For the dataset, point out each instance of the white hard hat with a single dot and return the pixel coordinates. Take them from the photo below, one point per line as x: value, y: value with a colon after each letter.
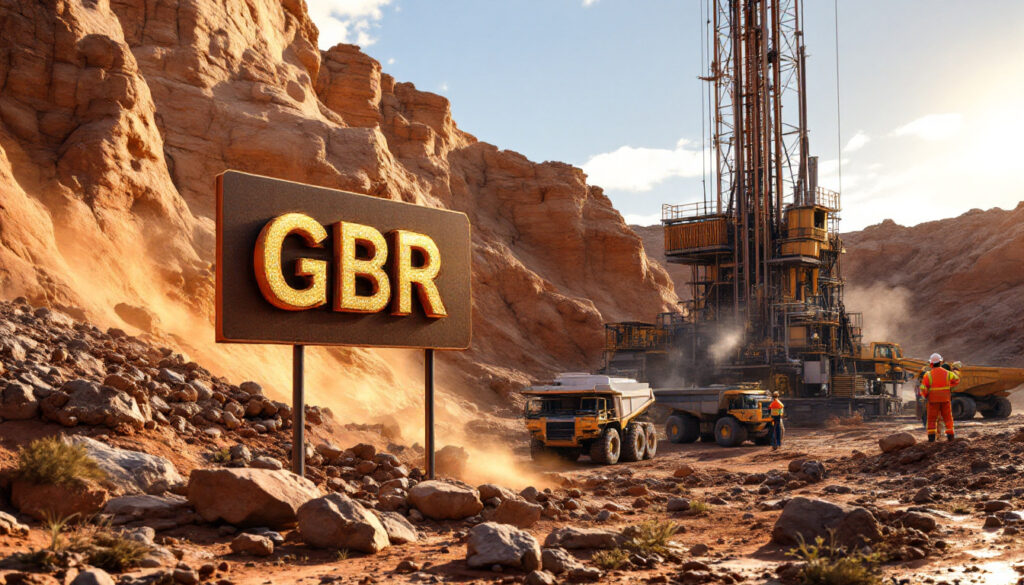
x: 936, y: 358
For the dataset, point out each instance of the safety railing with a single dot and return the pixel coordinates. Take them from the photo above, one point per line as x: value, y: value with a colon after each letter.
x: 827, y: 198
x: 683, y: 211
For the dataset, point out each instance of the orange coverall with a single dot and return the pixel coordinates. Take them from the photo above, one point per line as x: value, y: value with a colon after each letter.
x: 936, y: 387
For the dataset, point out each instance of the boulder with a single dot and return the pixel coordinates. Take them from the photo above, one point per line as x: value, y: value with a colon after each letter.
x: 812, y: 471
x: 125, y: 509
x: 92, y: 404
x: 678, y: 505
x: 571, y: 537
x: 249, y: 497
x: 93, y: 576
x: 17, y: 402
x: 517, y: 512
x: 445, y: 500
x: 558, y: 560
x: 490, y: 490
x: 9, y: 525
x: 78, y: 500
x: 399, y: 529
x: 132, y: 472
x: 809, y: 518
x: 919, y: 521
x: 492, y: 544
x: 337, y: 521
x: 252, y: 544
x: 896, y: 441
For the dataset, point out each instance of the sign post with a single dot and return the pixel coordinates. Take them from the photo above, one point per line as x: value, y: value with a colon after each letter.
x: 299, y: 410
x: 303, y: 265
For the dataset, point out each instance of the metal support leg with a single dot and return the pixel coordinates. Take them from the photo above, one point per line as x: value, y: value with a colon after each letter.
x: 428, y: 407
x: 298, y: 411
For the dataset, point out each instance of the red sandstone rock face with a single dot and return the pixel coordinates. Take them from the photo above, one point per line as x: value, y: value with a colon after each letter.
x: 115, y: 117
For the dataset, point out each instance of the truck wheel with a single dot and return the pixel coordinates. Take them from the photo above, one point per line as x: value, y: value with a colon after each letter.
x: 634, y: 442
x: 964, y: 408
x: 538, y: 452
x: 652, y: 440
x: 682, y: 428
x: 606, y: 448
x: 1001, y: 407
x: 729, y: 432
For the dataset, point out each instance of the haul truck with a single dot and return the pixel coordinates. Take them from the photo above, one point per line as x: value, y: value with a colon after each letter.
x: 982, y: 389
x: 601, y: 416
x: 728, y: 415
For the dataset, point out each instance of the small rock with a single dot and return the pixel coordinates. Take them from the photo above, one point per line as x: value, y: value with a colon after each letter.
x: 684, y: 471
x: 896, y: 441
x: 540, y: 578
x: 252, y: 544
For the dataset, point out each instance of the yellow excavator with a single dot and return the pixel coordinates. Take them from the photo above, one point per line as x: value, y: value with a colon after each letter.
x: 983, y: 389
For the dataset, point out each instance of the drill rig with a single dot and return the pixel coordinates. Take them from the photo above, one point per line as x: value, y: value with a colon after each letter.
x: 766, y: 288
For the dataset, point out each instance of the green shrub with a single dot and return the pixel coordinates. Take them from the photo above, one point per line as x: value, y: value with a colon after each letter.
x: 652, y: 536
x: 611, y: 559
x: 116, y: 553
x: 699, y: 507
x: 51, y: 461
x: 828, y: 564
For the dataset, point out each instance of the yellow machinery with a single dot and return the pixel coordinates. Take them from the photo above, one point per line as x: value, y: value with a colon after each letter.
x: 599, y: 415
x: 728, y: 415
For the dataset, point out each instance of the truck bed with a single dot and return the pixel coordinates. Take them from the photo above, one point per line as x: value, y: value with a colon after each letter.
x: 703, y: 400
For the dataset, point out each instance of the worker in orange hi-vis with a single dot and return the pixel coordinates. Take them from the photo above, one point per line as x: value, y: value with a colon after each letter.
x: 776, y: 410
x: 937, y: 388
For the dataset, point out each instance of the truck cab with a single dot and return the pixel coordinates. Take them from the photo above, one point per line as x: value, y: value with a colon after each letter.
x: 594, y: 414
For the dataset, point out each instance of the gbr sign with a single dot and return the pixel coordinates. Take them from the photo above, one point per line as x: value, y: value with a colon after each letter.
x: 298, y: 264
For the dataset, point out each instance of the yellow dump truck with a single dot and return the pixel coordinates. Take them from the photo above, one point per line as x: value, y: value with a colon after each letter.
x: 728, y: 415
x: 982, y: 389
x: 594, y: 414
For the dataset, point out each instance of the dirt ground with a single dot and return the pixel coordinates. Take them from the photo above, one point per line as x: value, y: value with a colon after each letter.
x: 736, y: 530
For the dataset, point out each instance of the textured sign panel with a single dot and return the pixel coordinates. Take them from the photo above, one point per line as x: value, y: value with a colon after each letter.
x: 298, y: 264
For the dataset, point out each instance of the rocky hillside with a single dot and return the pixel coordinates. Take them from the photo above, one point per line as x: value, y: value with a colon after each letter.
x: 955, y: 286
x: 115, y: 117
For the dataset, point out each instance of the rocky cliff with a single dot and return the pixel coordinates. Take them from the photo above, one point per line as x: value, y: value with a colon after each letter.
x: 955, y: 286
x: 116, y: 115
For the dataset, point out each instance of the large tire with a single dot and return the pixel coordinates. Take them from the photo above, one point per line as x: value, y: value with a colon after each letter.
x: 729, y: 432
x: 682, y: 428
x: 540, y: 453
x: 964, y: 407
x: 652, y: 441
x: 634, y: 442
x: 1001, y: 407
x: 606, y: 449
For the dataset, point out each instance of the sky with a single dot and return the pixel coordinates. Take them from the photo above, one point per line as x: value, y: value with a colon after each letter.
x: 931, y: 92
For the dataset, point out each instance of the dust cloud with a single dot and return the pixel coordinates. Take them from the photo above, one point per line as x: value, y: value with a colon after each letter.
x: 887, y: 312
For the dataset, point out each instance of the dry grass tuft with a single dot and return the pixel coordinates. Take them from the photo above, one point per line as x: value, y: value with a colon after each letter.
x: 51, y: 461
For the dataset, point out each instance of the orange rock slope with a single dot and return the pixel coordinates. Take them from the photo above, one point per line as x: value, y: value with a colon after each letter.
x: 116, y: 115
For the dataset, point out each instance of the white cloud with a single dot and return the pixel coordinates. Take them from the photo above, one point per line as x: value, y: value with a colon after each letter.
x: 346, y: 21
x: 857, y: 142
x: 589, y: 3
x: 391, y: 61
x: 931, y: 127
x: 444, y: 86
x: 640, y: 169
x: 638, y: 219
